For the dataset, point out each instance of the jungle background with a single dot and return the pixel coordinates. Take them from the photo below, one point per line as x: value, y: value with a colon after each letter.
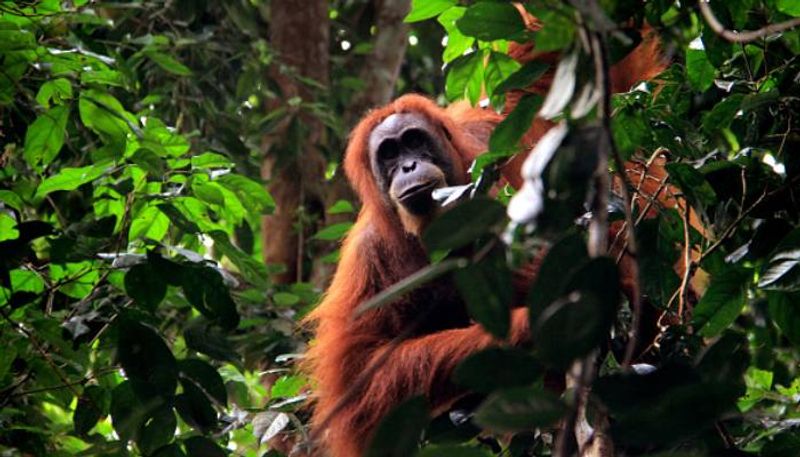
x: 171, y: 204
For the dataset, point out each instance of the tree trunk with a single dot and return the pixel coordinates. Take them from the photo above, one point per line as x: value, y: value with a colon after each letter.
x: 379, y: 73
x: 300, y: 36
x: 382, y: 67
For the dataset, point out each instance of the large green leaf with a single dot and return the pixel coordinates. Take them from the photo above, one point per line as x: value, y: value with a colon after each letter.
x: 520, y: 408
x: 426, y: 9
x: 506, y: 136
x: 464, y: 224
x: 145, y: 357
x: 105, y: 115
x: 465, y: 77
x: 457, y: 42
x: 489, y: 21
x: 400, y: 431
x: 45, y: 136
x: 699, y: 70
x: 71, y: 178
x: 495, y: 368
x: 722, y: 301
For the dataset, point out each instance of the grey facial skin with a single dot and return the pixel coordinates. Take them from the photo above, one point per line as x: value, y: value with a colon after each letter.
x: 409, y: 161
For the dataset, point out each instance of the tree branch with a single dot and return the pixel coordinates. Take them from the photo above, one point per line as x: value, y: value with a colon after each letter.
x: 747, y: 35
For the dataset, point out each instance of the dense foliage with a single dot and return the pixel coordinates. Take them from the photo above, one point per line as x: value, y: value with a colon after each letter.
x: 136, y: 314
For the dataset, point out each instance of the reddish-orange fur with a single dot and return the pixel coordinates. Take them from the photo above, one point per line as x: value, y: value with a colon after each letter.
x: 377, y: 253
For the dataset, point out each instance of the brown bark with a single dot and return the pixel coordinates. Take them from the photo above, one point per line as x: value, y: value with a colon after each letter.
x: 300, y: 36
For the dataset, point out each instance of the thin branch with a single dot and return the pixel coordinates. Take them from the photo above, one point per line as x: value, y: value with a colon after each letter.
x: 41, y: 350
x: 687, y: 264
x: 747, y: 35
x: 78, y: 382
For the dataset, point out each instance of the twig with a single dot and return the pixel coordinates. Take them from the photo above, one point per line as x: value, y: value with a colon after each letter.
x: 41, y: 350
x: 747, y: 35
x: 687, y: 264
x: 78, y: 382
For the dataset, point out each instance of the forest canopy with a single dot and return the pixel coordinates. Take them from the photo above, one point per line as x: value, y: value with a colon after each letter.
x: 172, y: 201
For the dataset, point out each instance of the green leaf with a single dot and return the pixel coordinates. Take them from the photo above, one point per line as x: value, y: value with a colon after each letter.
x: 204, y: 289
x: 697, y: 189
x: 11, y: 199
x: 785, y: 443
x: 45, y: 137
x: 399, y: 432
x: 145, y: 285
x: 723, y: 113
x: 157, y: 431
x: 171, y: 450
x: 561, y: 260
x: 630, y: 132
x: 666, y: 406
x: 209, y: 192
x: 208, y: 339
x: 520, y: 408
x: 105, y: 115
x: 253, y: 195
x: 457, y: 42
x: 426, y: 9
x: 176, y: 217
x: 506, y: 136
x: 13, y: 38
x: 464, y: 224
x: 415, y: 280
x: 56, y: 90
x: 341, y: 207
x: 285, y: 299
x: 578, y: 321
x: 489, y: 21
x: 496, y: 368
x: 722, y: 301
x: 334, y: 232
x: 149, y: 161
x: 104, y: 77
x: 71, y: 178
x: 168, y: 63
x: 487, y: 289
x: 27, y: 281
x: 498, y: 68
x: 7, y: 357
x: 162, y: 140
x: 8, y: 227
x: 253, y: 271
x: 149, y: 223
x: 199, y: 446
x: 145, y: 356
x: 93, y: 404
x: 206, y: 377
x: 790, y: 7
x: 210, y: 160
x: 558, y: 30
x: 127, y: 411
x: 465, y: 77
x: 699, y: 70
x: 784, y: 310
x: 524, y: 77
x: 288, y: 386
